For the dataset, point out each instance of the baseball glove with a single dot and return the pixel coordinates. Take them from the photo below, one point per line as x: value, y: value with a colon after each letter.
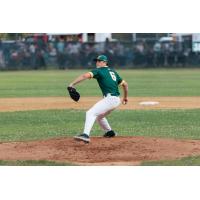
x: 73, y: 93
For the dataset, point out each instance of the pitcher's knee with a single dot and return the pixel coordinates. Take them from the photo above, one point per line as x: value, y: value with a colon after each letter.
x: 100, y: 116
x: 90, y: 112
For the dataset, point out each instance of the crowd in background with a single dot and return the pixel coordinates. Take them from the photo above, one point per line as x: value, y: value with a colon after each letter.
x: 61, y: 54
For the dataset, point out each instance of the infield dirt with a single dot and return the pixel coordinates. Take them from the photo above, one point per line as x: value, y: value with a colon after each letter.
x: 46, y: 103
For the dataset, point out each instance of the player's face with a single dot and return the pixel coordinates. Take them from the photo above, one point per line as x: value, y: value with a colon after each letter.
x: 100, y: 63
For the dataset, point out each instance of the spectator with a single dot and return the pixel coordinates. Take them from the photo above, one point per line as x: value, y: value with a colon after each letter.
x: 37, y: 54
x: 2, y: 62
x: 60, y: 54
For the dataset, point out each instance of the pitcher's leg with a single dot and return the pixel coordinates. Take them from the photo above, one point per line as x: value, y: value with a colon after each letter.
x: 100, y: 108
x: 106, y: 127
x: 103, y: 122
x: 89, y: 121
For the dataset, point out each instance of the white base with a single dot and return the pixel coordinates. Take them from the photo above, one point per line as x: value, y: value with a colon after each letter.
x: 149, y: 103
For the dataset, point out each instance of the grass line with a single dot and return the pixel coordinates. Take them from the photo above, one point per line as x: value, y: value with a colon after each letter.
x: 187, y: 161
x: 33, y: 163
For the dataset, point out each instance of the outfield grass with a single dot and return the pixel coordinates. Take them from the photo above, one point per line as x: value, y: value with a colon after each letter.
x: 35, y: 125
x: 152, y: 82
x: 188, y: 161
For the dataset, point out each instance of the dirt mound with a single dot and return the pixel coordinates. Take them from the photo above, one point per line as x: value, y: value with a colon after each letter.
x: 101, y: 151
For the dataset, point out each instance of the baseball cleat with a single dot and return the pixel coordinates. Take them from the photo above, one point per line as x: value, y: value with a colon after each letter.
x: 82, y: 137
x: 110, y: 134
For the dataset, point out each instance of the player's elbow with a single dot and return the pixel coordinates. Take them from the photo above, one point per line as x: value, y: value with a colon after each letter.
x: 86, y: 76
x: 125, y: 84
x: 125, y: 87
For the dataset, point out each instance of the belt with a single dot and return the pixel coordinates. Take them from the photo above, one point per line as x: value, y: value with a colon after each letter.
x: 109, y: 94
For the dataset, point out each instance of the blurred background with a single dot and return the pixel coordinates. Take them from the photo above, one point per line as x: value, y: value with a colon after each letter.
x: 76, y: 50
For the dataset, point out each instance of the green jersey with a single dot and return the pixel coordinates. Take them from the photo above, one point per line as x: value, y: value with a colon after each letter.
x: 108, y: 80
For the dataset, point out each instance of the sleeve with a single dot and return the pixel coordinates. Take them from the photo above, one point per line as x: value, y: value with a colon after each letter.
x: 94, y: 73
x: 119, y: 79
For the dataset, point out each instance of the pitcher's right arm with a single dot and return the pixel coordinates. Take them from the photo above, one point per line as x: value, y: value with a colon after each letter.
x: 124, y: 85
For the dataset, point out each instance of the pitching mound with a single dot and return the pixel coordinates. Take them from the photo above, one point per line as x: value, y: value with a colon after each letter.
x: 101, y: 151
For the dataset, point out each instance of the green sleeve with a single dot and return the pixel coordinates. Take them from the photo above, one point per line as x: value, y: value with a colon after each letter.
x: 95, y: 73
x: 119, y: 79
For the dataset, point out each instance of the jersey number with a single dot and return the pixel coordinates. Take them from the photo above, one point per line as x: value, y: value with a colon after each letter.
x: 112, y: 74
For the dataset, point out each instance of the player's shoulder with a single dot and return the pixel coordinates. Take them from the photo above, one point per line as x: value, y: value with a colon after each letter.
x: 95, y: 69
x: 111, y: 69
x: 95, y: 72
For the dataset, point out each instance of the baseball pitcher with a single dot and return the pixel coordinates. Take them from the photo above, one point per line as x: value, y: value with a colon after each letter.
x: 108, y: 80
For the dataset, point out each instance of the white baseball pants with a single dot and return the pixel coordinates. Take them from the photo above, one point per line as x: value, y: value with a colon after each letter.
x: 99, y: 111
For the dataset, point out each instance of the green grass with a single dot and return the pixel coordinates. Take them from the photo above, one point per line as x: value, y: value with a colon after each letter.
x: 151, y: 82
x: 33, y: 163
x: 188, y: 161
x: 34, y: 125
